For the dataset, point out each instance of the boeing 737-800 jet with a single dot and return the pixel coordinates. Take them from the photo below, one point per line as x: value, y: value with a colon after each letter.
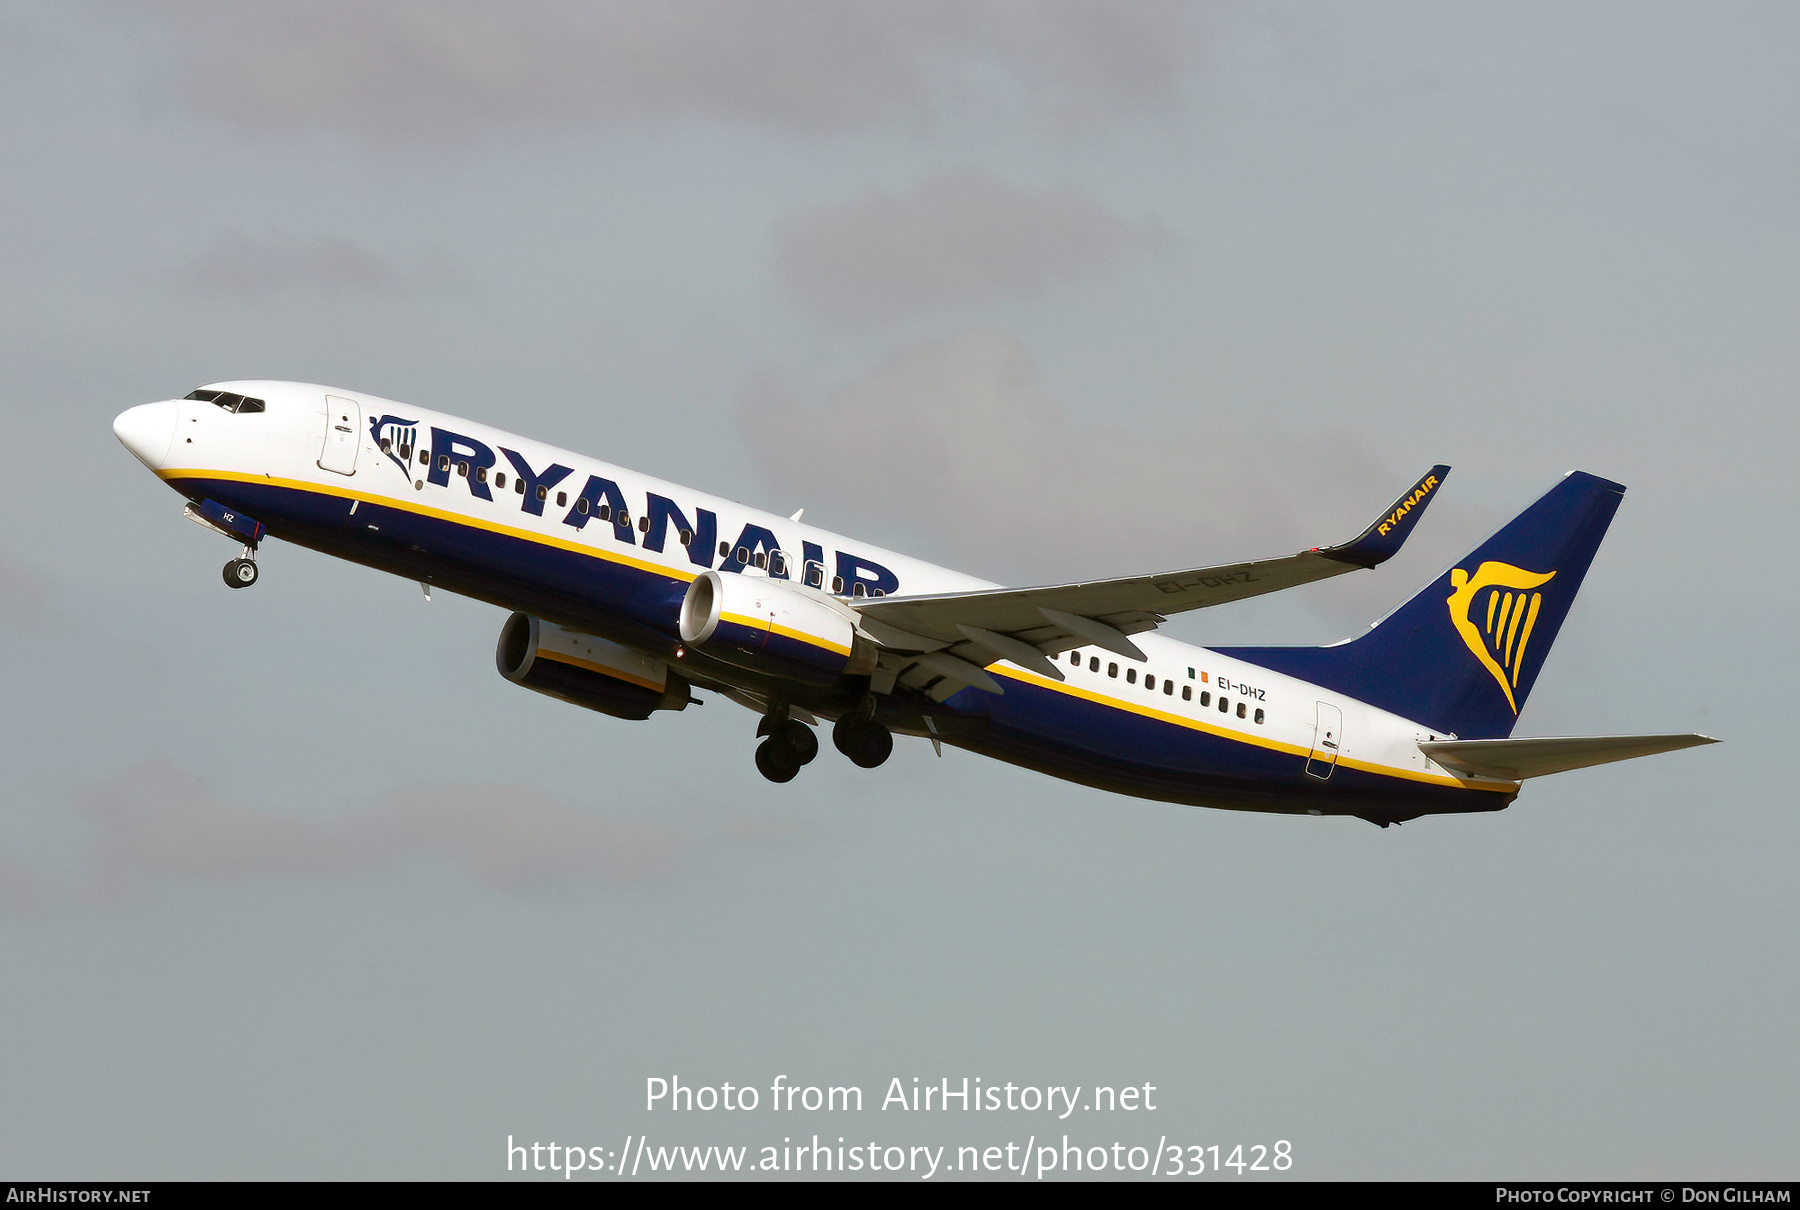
x: 629, y: 593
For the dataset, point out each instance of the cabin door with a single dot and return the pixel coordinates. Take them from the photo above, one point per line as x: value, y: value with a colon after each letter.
x: 1328, y: 738
x: 343, y: 435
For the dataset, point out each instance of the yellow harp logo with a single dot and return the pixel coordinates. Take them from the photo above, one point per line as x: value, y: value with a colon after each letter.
x: 1500, y: 595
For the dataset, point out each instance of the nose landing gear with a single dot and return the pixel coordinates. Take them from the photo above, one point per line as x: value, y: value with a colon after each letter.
x: 210, y: 514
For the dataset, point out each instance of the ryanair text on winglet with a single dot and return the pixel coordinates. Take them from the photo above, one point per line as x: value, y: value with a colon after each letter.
x: 1406, y: 506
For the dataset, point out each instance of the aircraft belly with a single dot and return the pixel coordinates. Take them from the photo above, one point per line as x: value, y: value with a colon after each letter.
x: 1126, y: 752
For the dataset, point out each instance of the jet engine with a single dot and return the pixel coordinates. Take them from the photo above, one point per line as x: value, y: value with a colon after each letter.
x: 585, y: 670
x: 774, y: 628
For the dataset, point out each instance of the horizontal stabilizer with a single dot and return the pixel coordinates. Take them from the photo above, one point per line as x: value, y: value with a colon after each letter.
x: 1517, y: 759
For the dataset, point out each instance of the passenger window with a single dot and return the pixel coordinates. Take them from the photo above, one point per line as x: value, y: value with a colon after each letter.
x: 581, y: 505
x: 1187, y: 694
x: 462, y: 468
x: 644, y: 524
x: 1093, y: 663
x: 762, y: 561
x: 815, y: 574
x: 542, y: 491
x: 857, y: 589
x: 1224, y: 706
x: 1149, y: 681
x: 743, y: 554
x: 1075, y: 658
x: 624, y: 519
x: 1131, y: 676
x: 1259, y: 716
x: 443, y: 462
x: 1241, y: 711
x: 1112, y: 670
x: 687, y: 537
x: 1168, y: 686
x: 424, y: 457
x: 1205, y: 698
x: 878, y: 592
x: 562, y: 498
x: 777, y: 563
x: 604, y: 512
x: 724, y: 550
x: 837, y: 583
x: 387, y: 443
x: 499, y: 478
x: 406, y: 453
x: 481, y: 474
x: 518, y: 487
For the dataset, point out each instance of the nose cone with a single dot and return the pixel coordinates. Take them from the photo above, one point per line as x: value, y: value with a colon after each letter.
x: 147, y: 431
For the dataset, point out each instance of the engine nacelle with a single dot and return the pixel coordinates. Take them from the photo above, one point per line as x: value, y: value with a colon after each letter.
x: 773, y: 628
x: 586, y: 671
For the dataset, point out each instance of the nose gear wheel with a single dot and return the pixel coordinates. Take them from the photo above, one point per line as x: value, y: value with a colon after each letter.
x: 240, y: 573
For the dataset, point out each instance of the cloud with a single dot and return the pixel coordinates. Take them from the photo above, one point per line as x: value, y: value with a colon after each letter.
x: 961, y: 236
x: 957, y: 439
x: 274, y: 262
x: 156, y: 823
x: 448, y: 65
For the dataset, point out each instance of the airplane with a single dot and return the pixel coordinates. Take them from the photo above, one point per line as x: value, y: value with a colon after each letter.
x: 629, y: 594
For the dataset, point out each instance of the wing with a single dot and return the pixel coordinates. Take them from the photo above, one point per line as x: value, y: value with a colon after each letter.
x: 941, y: 642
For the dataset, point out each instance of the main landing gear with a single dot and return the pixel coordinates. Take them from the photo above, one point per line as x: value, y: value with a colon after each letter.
x: 790, y: 744
x: 241, y: 571
x: 857, y: 735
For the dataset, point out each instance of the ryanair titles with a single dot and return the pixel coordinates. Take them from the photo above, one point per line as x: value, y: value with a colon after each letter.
x: 601, y: 499
x: 1425, y: 488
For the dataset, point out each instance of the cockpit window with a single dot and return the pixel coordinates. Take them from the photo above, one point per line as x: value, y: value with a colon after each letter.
x: 227, y: 400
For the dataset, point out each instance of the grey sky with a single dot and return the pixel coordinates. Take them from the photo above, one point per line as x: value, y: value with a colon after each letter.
x: 960, y: 236
x: 293, y: 884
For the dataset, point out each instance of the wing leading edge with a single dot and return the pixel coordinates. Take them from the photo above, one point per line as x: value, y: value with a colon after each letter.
x: 968, y: 631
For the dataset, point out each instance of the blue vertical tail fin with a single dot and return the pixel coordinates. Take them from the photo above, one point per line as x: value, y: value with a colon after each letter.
x: 1462, y: 655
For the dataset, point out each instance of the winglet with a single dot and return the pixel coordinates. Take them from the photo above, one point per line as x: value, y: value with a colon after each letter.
x: 1381, y: 541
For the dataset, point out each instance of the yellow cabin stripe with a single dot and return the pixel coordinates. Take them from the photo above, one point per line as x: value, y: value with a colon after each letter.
x: 422, y: 510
